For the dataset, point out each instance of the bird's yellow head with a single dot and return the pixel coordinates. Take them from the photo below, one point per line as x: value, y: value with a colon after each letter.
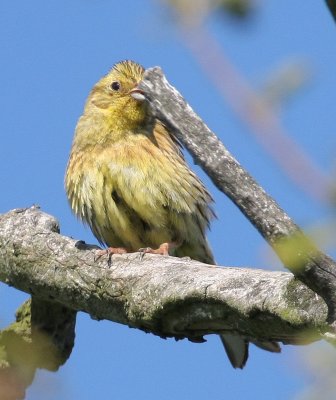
x: 117, y: 98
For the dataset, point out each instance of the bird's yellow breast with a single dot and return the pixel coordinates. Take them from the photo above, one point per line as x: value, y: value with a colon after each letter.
x: 134, y: 193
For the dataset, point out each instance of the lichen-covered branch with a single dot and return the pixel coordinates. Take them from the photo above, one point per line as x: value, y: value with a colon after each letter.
x: 298, y: 253
x: 42, y: 336
x: 170, y: 297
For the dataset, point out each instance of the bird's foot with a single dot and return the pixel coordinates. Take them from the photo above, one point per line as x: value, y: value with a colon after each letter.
x: 109, y: 252
x: 163, y: 249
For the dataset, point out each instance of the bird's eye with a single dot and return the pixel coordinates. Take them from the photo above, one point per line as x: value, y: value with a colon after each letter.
x: 115, y: 86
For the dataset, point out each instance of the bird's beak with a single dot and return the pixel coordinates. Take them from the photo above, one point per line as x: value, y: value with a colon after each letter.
x: 137, y: 94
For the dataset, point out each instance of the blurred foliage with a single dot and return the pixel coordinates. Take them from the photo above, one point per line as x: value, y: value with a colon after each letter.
x: 237, y: 8
x: 294, y: 250
x: 285, y: 81
x: 319, y: 361
x: 196, y: 11
x: 16, y: 371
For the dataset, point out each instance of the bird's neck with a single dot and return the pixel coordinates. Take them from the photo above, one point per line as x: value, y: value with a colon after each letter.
x: 104, y: 129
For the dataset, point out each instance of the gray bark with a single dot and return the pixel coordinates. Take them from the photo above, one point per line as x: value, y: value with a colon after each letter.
x: 167, y: 296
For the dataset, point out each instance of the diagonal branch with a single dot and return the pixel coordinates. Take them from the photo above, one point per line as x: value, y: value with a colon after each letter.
x: 167, y: 296
x: 252, y: 109
x: 332, y: 7
x: 298, y: 253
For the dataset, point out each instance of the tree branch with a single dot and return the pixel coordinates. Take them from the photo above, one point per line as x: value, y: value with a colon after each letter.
x: 332, y: 7
x: 298, y: 253
x: 167, y: 296
x: 41, y: 337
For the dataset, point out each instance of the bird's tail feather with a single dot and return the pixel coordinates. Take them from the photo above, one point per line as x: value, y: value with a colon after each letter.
x: 236, y: 348
x: 273, y: 347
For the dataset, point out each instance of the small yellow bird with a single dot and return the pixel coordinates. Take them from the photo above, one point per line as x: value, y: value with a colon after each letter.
x: 127, y: 179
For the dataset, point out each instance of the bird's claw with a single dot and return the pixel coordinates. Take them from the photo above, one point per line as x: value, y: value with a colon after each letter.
x: 109, y: 252
x: 143, y: 251
x: 163, y: 250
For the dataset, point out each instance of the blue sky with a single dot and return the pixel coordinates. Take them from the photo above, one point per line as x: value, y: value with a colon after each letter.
x: 52, y: 52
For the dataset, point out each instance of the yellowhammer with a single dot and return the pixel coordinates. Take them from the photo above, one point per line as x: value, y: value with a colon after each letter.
x: 127, y: 179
